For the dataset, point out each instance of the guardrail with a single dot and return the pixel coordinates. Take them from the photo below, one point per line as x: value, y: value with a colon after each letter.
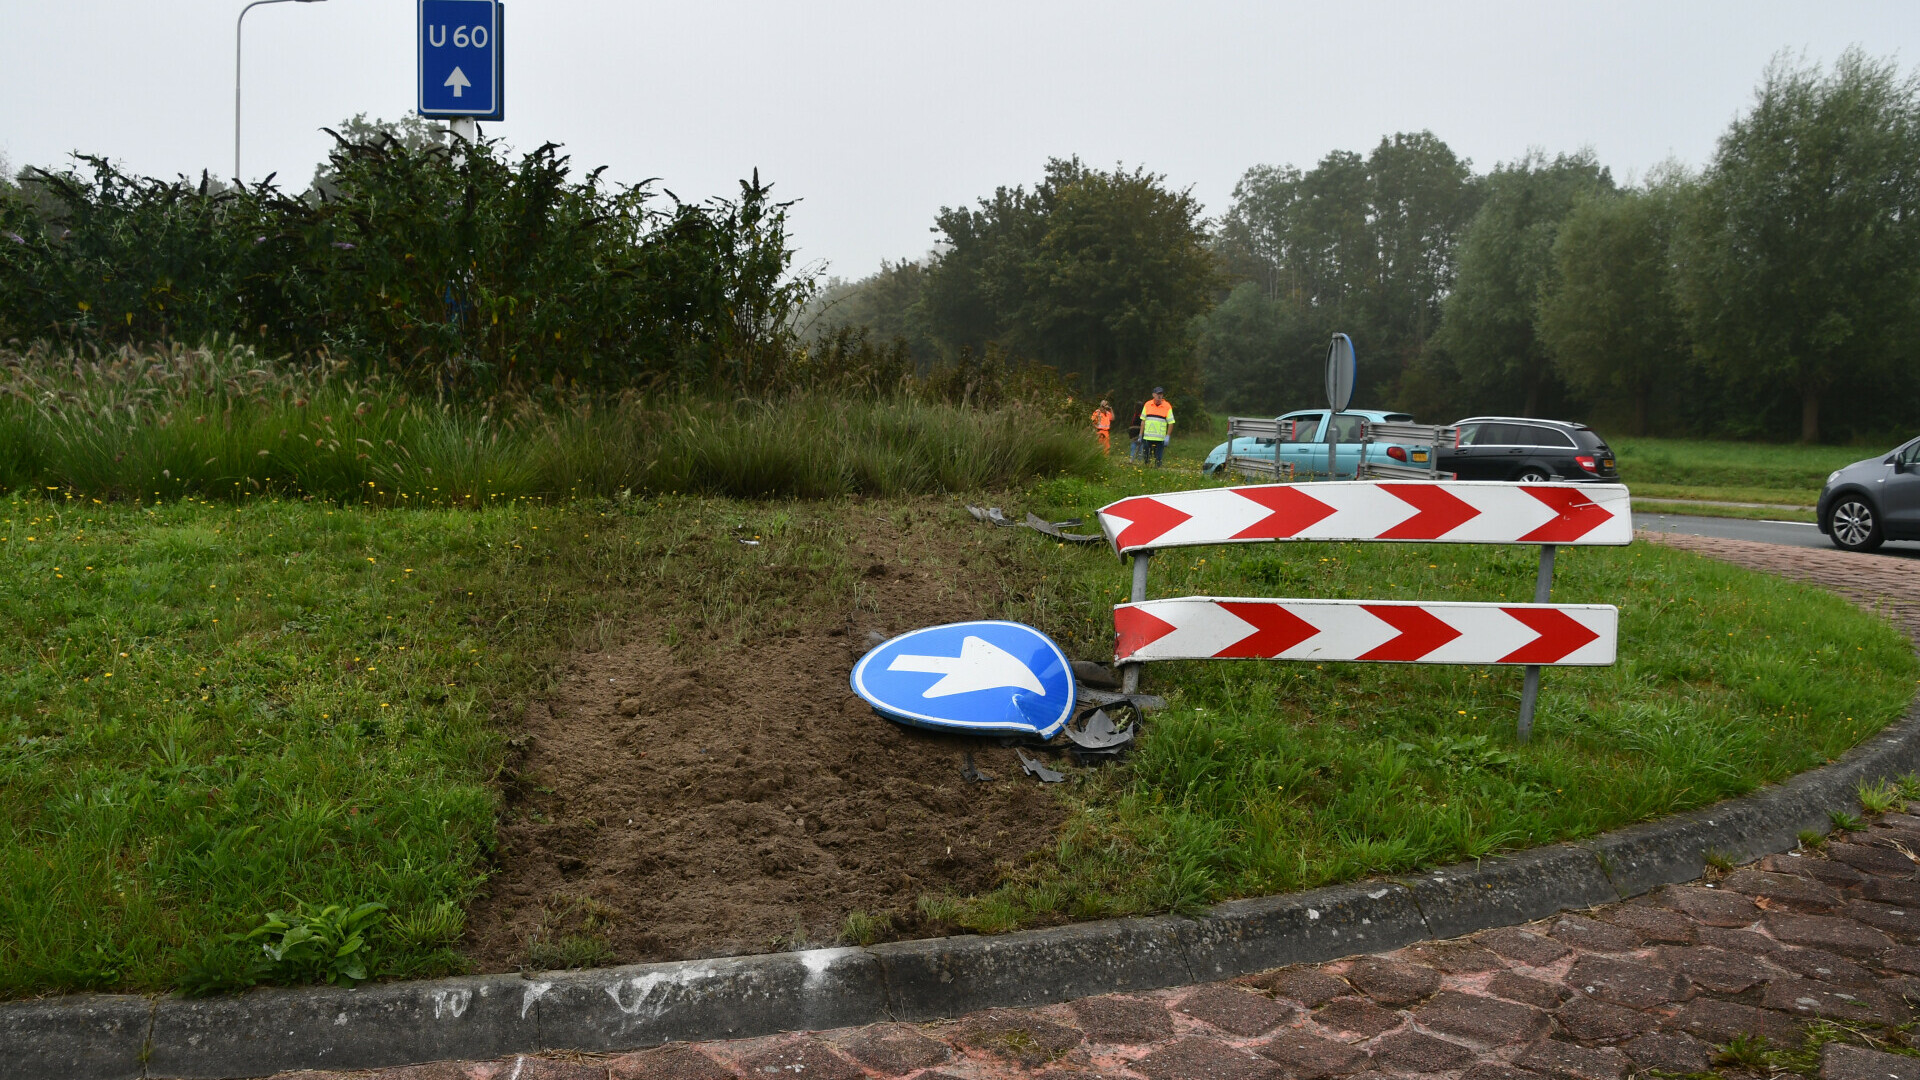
x: 1448, y: 511
x: 1418, y: 434
x: 1387, y: 470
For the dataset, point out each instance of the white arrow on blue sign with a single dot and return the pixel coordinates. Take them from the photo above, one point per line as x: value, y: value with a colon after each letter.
x: 972, y: 676
x: 458, y: 66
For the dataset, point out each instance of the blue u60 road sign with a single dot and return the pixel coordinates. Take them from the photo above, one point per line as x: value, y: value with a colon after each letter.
x: 972, y: 676
x: 459, y: 57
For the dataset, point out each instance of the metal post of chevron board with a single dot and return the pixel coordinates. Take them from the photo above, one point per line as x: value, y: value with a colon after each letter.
x: 1530, y: 689
x: 1130, y: 674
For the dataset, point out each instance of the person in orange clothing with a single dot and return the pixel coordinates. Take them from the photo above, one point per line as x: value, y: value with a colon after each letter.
x: 1103, y: 426
x: 1156, y: 427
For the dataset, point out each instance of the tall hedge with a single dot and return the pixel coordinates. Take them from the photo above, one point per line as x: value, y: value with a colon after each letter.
x: 460, y: 268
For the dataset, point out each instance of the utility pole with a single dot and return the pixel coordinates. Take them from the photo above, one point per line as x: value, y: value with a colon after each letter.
x: 237, y: 24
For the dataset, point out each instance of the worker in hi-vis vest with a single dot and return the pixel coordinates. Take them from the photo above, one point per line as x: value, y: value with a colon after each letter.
x: 1103, y: 426
x: 1156, y: 426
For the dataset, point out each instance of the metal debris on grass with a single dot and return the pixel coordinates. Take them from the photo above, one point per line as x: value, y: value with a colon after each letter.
x: 968, y: 771
x: 1099, y: 732
x: 1035, y: 768
x: 1052, y: 528
x: 1098, y: 738
x: 993, y: 515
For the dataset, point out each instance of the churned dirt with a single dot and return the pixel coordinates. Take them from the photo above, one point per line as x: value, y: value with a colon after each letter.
x: 748, y: 802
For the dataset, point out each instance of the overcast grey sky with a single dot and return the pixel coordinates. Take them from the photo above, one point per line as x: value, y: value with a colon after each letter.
x: 877, y: 114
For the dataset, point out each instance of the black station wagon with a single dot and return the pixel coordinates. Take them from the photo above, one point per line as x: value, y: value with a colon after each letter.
x: 1526, y: 450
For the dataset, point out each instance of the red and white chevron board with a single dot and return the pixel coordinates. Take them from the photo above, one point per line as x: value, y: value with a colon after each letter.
x: 1225, y: 628
x: 1455, y: 512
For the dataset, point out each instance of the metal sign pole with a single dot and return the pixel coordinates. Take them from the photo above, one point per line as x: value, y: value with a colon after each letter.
x: 1530, y: 689
x: 238, y: 25
x: 1130, y: 673
x: 1341, y: 370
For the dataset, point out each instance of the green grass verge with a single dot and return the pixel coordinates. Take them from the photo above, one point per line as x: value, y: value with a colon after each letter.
x: 1732, y: 471
x: 1766, y: 496
x: 1748, y: 513
x: 211, y: 713
x: 1261, y: 778
x: 314, y: 702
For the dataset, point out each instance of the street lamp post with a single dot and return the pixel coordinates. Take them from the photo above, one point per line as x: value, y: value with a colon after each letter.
x: 237, y: 23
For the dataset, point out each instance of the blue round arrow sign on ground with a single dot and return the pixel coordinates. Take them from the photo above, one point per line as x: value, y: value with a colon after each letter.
x: 970, y: 676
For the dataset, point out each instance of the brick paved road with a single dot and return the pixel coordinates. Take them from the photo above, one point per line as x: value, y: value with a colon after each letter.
x: 1816, y: 952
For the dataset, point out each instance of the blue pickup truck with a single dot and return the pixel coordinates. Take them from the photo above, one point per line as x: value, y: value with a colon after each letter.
x: 1300, y: 441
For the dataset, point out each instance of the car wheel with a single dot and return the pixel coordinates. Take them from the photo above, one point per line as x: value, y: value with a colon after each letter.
x: 1854, y: 526
x: 1533, y: 474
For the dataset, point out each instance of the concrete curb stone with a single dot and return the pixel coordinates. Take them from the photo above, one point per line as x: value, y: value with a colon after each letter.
x: 104, y: 1037
x: 1510, y: 889
x: 944, y: 977
x: 324, y: 1027
x: 1241, y: 937
x: 621, y: 1008
x: 93, y: 1036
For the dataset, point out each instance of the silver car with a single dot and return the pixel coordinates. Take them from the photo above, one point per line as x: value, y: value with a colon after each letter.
x: 1873, y: 501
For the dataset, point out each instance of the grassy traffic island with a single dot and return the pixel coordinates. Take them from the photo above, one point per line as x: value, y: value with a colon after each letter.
x: 249, y: 736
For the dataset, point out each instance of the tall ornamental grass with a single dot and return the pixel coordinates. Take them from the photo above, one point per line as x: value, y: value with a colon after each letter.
x: 222, y: 422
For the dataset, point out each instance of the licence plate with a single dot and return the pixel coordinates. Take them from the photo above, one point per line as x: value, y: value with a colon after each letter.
x: 1419, y: 455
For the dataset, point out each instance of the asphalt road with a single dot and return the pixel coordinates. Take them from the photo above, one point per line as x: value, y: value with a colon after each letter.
x: 1791, y: 533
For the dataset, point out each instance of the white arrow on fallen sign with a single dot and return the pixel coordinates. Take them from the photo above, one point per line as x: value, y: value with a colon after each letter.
x: 981, y: 665
x: 457, y: 80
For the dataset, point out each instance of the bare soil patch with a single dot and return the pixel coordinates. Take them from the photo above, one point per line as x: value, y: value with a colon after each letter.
x: 744, y: 800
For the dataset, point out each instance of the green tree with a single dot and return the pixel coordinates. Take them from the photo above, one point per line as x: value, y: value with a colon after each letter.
x: 1423, y: 197
x: 1505, y: 268
x: 1256, y: 237
x: 411, y: 132
x: 1801, y: 263
x: 1096, y: 273
x: 1359, y: 244
x: 1261, y: 354
x: 1121, y: 271
x: 887, y: 303
x: 1610, y: 317
x: 975, y: 288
